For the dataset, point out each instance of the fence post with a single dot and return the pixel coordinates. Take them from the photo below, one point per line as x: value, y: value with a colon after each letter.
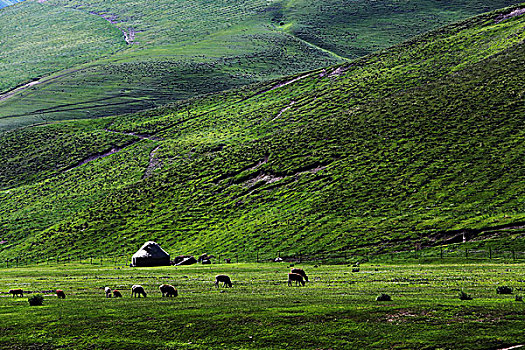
x: 237, y: 258
x: 7, y: 263
x: 490, y: 253
x: 257, y: 255
x: 91, y: 261
x: 466, y: 253
x: 513, y: 255
x: 441, y: 252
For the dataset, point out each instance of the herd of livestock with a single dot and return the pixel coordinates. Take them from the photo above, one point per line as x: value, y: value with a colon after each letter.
x: 296, y: 275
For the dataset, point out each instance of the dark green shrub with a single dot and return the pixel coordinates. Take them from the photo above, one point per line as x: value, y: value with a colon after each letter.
x: 518, y: 298
x: 36, y: 300
x: 464, y: 296
x: 355, y: 269
x: 504, y: 290
x: 383, y: 297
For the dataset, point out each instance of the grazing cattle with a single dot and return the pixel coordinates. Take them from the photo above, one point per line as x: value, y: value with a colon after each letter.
x: 117, y: 294
x: 60, y: 294
x: 16, y: 292
x: 300, y: 272
x: 107, y: 290
x: 295, y: 277
x: 168, y: 290
x: 137, y: 291
x: 226, y: 281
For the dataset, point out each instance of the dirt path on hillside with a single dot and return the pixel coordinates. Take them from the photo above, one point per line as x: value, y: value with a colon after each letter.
x: 97, y: 156
x: 129, y: 33
x: 152, y: 165
x: 517, y: 12
x: 11, y: 93
x: 140, y: 136
x: 18, y: 89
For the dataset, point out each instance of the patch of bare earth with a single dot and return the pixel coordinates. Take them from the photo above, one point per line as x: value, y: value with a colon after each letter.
x: 283, y: 110
x: 517, y: 12
x: 280, y: 85
x: 129, y: 33
x: 266, y: 178
x: 154, y: 163
x: 403, y: 316
x: 18, y: 89
x: 335, y: 73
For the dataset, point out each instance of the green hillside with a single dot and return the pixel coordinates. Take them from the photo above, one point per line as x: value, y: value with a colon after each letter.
x: 409, y: 145
x: 111, y: 57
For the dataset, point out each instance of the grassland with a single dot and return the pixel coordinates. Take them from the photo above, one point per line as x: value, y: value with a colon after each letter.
x: 123, y: 56
x: 412, y: 145
x: 336, y: 310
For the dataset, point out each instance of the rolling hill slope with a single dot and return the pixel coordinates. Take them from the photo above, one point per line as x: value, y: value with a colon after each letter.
x: 409, y: 145
x: 112, y: 57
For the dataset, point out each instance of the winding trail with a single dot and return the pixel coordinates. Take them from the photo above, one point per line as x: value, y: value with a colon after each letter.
x: 16, y: 90
x: 114, y: 150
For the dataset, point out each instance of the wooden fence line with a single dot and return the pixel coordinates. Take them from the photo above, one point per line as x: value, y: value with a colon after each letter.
x: 295, y: 257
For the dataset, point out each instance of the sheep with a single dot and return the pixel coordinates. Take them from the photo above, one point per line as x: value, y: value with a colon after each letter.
x: 16, y: 292
x: 168, y: 290
x: 107, y: 290
x: 137, y: 290
x: 226, y: 281
x: 117, y: 294
x: 295, y: 277
x: 60, y: 294
x: 300, y: 272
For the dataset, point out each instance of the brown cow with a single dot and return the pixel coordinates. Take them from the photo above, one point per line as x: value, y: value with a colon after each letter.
x: 137, y: 290
x: 117, y: 294
x: 226, y: 281
x: 60, y: 294
x: 168, y: 290
x: 300, y: 272
x: 16, y: 292
x: 295, y: 277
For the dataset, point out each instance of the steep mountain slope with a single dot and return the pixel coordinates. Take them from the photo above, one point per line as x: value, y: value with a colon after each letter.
x: 121, y: 56
x: 405, y: 146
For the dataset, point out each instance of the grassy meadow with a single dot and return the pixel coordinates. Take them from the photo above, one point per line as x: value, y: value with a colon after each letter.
x: 411, y: 145
x: 336, y: 309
